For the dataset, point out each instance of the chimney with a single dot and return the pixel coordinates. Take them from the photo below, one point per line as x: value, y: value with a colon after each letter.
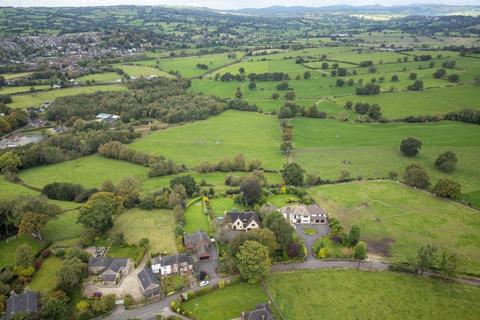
x: 242, y: 316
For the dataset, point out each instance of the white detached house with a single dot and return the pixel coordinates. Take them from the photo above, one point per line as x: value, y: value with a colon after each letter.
x: 242, y: 221
x: 301, y: 214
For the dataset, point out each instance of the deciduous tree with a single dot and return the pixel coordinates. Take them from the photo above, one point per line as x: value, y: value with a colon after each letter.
x: 253, y: 261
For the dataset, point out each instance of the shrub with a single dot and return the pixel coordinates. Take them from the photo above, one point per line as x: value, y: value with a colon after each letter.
x: 410, y: 146
x: 446, y: 161
x: 360, y: 251
x: 447, y: 188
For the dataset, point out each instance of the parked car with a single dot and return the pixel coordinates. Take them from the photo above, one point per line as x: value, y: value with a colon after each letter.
x: 204, y: 283
x: 97, y: 294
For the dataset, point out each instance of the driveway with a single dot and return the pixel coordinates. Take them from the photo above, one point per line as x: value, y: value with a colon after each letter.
x: 128, y: 285
x: 322, y: 230
x: 209, y: 266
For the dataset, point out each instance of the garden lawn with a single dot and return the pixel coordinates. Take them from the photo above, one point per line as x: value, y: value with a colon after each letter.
x: 220, y: 137
x: 156, y: 225
x: 90, y: 171
x: 7, y: 250
x: 226, y: 303
x: 37, y: 98
x: 45, y: 278
x: 282, y: 200
x: 326, y: 147
x: 350, y: 294
x: 195, y: 219
x: 396, y: 220
x: 224, y: 204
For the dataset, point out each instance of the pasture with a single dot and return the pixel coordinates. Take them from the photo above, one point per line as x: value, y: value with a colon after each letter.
x: 21, y: 89
x: 349, y: 294
x: 63, y: 227
x: 396, y: 220
x: 254, y: 135
x: 35, y: 99
x: 9, y: 190
x: 156, y: 225
x: 226, y: 303
x: 142, y: 71
x: 326, y: 147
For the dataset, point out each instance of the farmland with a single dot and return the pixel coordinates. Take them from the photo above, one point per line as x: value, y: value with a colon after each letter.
x: 433, y: 298
x: 396, y: 220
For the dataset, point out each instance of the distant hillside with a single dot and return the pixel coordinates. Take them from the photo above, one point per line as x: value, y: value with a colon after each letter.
x: 420, y: 9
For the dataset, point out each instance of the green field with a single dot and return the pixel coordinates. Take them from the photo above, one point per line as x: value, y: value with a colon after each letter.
x: 427, y: 102
x: 407, y: 218
x: 46, y: 277
x: 372, y: 150
x: 225, y: 204
x: 37, y: 98
x: 195, y: 219
x: 7, y: 250
x: 156, y: 225
x: 8, y: 76
x: 187, y: 66
x: 90, y: 171
x: 142, y: 71
x: 9, y: 190
x: 63, y: 227
x: 18, y: 89
x: 226, y: 303
x: 101, y: 77
x: 349, y: 294
x: 224, y: 136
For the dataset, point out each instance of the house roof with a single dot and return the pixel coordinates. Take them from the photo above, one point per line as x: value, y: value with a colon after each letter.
x: 147, y: 278
x: 176, y: 259
x: 24, y: 302
x: 195, y: 239
x: 301, y: 210
x: 109, y: 276
x: 245, y: 217
x: 99, y: 261
x: 261, y: 312
x: 117, y: 264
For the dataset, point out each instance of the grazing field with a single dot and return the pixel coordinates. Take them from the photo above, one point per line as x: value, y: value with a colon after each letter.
x: 9, y: 190
x: 156, y: 225
x: 101, y: 77
x: 142, y: 71
x: 18, y: 89
x: 7, y: 250
x: 226, y: 303
x: 37, y: 98
x: 427, y: 102
x: 255, y: 135
x: 349, y: 294
x: 45, y: 278
x: 195, y: 219
x: 63, y: 227
x: 326, y: 147
x: 90, y: 171
x: 187, y: 66
x: 9, y: 76
x: 396, y: 220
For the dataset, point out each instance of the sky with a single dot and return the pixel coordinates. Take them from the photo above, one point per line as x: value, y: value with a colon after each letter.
x: 224, y: 4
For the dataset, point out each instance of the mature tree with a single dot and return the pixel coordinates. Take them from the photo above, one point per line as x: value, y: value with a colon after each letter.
x: 416, y: 176
x: 264, y: 236
x: 275, y: 96
x: 24, y: 256
x: 446, y: 161
x: 395, y: 78
x: 360, y: 250
x: 282, y: 229
x: 412, y: 76
x: 283, y: 86
x: 449, y: 264
x: 293, y: 174
x: 354, y: 235
x: 97, y: 213
x: 251, y: 190
x: 71, y: 274
x: 410, y: 146
x: 440, y: 73
x: 416, y: 86
x: 129, y: 190
x: 239, y: 93
x: 188, y: 182
x: 307, y: 75
x: 454, y: 78
x: 253, y: 261
x: 426, y: 258
x: 9, y: 162
x: 55, y: 306
x: 290, y: 95
x: 374, y: 111
x: 447, y: 188
x: 31, y: 223
x: 252, y: 85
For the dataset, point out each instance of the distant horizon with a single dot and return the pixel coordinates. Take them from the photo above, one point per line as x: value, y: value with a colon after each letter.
x: 227, y: 5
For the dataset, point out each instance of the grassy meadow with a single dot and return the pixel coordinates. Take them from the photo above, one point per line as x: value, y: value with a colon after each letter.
x: 396, y: 220
x: 326, y: 147
x: 255, y: 135
x: 156, y: 225
x: 37, y: 98
x: 349, y: 294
